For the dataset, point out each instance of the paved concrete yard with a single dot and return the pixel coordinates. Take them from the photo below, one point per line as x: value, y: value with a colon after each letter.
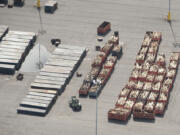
x: 75, y: 22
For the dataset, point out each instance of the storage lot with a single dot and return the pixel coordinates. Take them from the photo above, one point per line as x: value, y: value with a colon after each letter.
x: 75, y: 22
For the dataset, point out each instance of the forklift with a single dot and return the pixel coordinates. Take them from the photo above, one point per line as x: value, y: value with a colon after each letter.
x: 75, y: 104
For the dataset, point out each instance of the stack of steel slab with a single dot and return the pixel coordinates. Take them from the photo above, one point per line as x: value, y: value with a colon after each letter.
x: 13, y: 49
x: 37, y: 102
x: 52, y: 80
x: 3, y: 30
x: 59, y: 68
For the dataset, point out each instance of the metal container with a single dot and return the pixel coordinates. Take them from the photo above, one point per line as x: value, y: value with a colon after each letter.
x: 104, y: 28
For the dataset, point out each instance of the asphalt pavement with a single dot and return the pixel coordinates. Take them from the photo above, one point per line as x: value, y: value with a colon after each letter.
x: 75, y: 22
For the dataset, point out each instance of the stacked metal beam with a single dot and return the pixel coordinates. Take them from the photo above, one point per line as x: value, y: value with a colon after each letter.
x: 51, y: 80
x: 13, y: 49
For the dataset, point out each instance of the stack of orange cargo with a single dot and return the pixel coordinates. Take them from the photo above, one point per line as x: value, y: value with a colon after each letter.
x: 102, y: 66
x: 149, y: 85
x: 103, y: 76
x: 92, y: 75
x: 167, y: 84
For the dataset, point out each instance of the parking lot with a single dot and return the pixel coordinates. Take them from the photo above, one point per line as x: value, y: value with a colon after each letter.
x: 75, y: 22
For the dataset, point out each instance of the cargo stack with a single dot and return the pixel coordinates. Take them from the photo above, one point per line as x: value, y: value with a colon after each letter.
x: 147, y: 92
x: 147, y: 98
x: 52, y: 80
x: 167, y: 84
x: 13, y: 49
x: 103, y: 76
x: 101, y: 68
x: 140, y: 81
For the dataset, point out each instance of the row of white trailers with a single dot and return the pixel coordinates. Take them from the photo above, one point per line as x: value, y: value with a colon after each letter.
x: 52, y: 80
x: 14, y: 47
